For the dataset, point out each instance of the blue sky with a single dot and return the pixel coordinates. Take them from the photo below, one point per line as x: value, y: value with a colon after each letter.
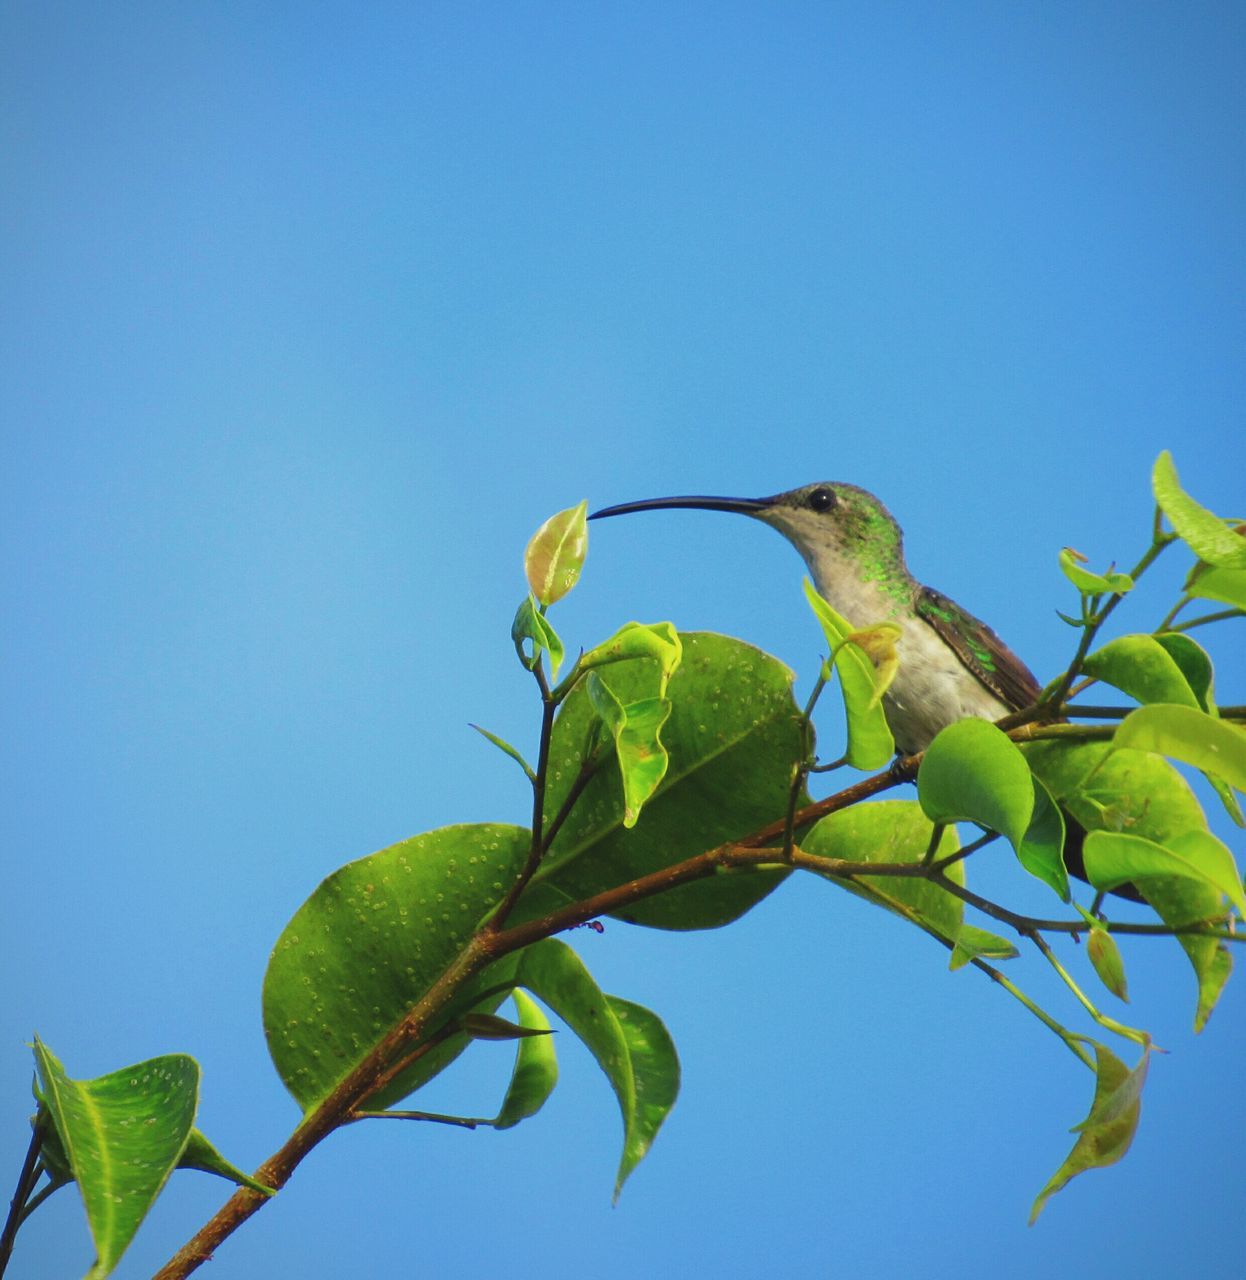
x: 314, y: 312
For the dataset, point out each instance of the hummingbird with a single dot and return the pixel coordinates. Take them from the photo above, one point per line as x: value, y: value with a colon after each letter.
x: 952, y: 665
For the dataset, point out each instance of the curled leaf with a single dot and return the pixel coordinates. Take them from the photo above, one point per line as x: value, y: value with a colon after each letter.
x: 1105, y: 1135
x: 870, y: 744
x: 1092, y: 584
x: 531, y: 626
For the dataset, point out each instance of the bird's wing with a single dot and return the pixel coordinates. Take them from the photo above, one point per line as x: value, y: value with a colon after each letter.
x: 981, y: 651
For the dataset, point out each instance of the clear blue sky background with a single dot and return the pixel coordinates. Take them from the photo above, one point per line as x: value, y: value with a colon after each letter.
x: 313, y: 312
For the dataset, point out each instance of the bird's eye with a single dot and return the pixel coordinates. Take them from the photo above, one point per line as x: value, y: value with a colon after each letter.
x: 822, y: 499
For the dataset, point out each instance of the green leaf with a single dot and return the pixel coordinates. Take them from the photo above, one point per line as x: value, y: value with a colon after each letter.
x: 658, y: 641
x: 201, y: 1154
x: 1106, y: 1134
x: 505, y: 747
x: 536, y: 1066
x: 1225, y: 586
x: 122, y: 1135
x: 370, y: 941
x: 1092, y: 584
x: 1113, y: 858
x: 896, y: 831
x: 630, y: 1044
x: 1206, y: 534
x: 1142, y: 667
x: 870, y: 744
x: 973, y: 772
x: 556, y: 554
x: 1041, y: 851
x: 1194, y: 663
x: 1190, y: 735
x: 733, y: 738
x: 1105, y: 957
x: 531, y: 626
x: 636, y: 729
x: 1142, y: 794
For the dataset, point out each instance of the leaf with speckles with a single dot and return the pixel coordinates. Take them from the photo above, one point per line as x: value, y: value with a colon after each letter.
x: 733, y: 737
x: 370, y: 941
x: 121, y: 1135
x: 630, y: 1043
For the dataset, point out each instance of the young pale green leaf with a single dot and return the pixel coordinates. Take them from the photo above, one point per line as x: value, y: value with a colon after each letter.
x: 536, y: 1066
x: 1205, y: 534
x: 1225, y: 586
x: 1103, y: 1141
x: 638, y: 748
x: 897, y: 831
x: 201, y: 1154
x: 1114, y: 858
x: 1142, y: 667
x: 1092, y: 584
x: 556, y: 554
x: 1135, y: 791
x: 370, y: 941
x: 658, y: 641
x: 1041, y: 851
x: 531, y: 626
x: 1190, y: 735
x: 488, y: 1026
x: 1105, y: 956
x: 733, y: 738
x: 122, y: 1135
x: 870, y: 744
x: 630, y: 1044
x: 506, y: 748
x: 972, y: 772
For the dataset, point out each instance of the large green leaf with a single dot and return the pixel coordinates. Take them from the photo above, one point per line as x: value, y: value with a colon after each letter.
x: 870, y: 744
x: 630, y: 1043
x: 1136, y: 792
x: 122, y: 1135
x: 1041, y: 851
x: 370, y: 941
x: 973, y: 772
x: 1143, y: 668
x: 1105, y: 1135
x: 733, y: 738
x: 1206, y: 534
x: 1190, y: 735
x: 1114, y: 858
x: 897, y: 831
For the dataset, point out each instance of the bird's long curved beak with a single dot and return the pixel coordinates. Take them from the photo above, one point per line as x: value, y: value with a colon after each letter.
x: 700, y: 502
